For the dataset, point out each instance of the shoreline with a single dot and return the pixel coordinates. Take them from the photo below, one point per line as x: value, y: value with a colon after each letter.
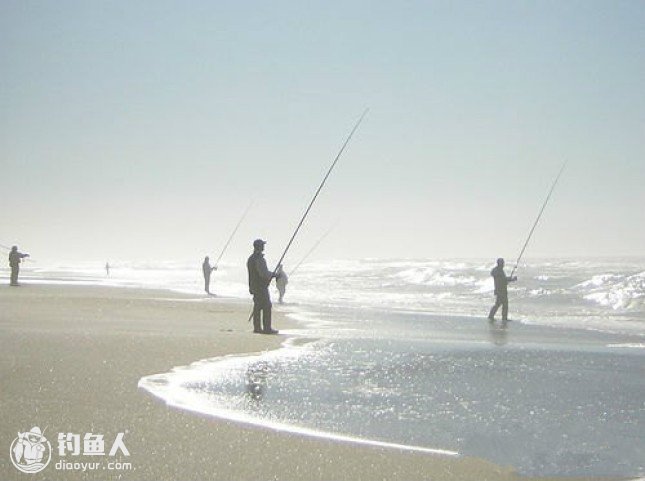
x: 82, y: 347
x: 605, y: 311
x: 521, y: 338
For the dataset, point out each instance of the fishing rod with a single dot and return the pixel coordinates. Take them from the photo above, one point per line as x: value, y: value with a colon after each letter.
x: 322, y: 184
x: 306, y: 256
x: 234, y: 231
x: 340, y: 152
x: 546, y: 201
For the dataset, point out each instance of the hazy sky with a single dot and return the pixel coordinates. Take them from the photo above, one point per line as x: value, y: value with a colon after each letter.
x: 143, y: 129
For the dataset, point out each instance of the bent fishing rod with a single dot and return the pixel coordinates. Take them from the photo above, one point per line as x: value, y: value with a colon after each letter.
x: 306, y: 256
x: 313, y: 200
x: 546, y: 201
x: 233, y: 233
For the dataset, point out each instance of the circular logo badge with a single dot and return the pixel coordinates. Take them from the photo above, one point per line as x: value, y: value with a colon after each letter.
x: 30, y: 452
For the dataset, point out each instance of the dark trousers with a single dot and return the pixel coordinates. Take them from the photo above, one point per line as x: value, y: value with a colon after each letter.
x: 262, y: 311
x: 207, y: 283
x: 14, y: 275
x: 500, y: 300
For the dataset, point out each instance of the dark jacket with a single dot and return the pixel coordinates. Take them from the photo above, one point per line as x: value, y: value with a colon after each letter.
x: 206, y: 267
x: 501, y: 281
x: 259, y: 274
x: 14, y: 258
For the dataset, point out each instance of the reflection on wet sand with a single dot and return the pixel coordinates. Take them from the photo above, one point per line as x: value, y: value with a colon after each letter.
x: 498, y: 334
x: 256, y: 380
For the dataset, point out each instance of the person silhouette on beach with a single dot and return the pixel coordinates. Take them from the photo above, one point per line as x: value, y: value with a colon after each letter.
x: 281, y: 281
x: 259, y: 280
x: 107, y: 269
x: 501, y: 292
x: 14, y: 262
x: 207, y: 269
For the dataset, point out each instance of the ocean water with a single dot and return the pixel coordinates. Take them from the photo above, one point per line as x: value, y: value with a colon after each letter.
x: 399, y: 353
x: 607, y: 295
x: 544, y: 409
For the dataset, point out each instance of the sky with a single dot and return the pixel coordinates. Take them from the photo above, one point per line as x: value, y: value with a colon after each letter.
x: 143, y: 130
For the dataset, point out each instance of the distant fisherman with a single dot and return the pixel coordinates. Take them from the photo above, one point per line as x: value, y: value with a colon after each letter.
x: 501, y: 293
x: 281, y: 282
x: 259, y: 280
x: 107, y: 269
x: 207, y: 269
x: 14, y: 262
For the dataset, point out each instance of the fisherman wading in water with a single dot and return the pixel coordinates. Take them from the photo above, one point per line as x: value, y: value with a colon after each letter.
x: 281, y: 281
x: 501, y: 293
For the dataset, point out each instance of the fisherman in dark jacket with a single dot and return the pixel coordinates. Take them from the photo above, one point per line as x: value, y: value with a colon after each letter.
x: 281, y: 281
x: 14, y: 263
x: 501, y: 292
x: 207, y: 269
x: 259, y: 280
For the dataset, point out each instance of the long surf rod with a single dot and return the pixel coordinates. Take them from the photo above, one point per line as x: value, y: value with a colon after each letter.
x: 322, y: 184
x: 234, y: 231
x: 315, y: 246
x: 546, y: 201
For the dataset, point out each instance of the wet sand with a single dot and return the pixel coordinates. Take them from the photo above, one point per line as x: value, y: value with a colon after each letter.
x: 71, y: 359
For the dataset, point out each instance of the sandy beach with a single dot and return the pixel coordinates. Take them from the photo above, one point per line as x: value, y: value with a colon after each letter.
x: 451, y: 189
x: 71, y: 361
